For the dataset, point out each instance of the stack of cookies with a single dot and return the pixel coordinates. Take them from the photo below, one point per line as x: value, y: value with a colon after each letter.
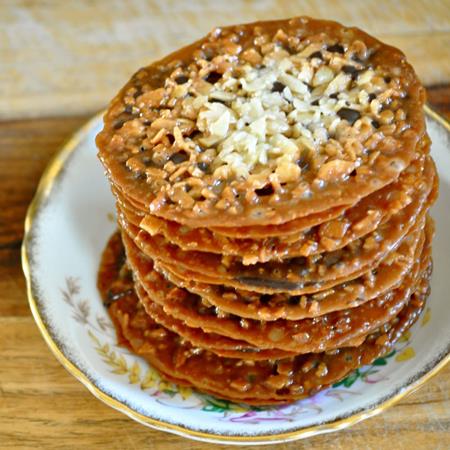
x: 272, y: 183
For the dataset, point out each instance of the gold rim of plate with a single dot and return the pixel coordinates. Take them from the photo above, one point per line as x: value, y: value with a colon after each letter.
x: 53, y: 169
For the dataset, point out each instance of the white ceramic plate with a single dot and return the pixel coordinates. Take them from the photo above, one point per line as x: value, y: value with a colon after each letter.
x: 67, y: 227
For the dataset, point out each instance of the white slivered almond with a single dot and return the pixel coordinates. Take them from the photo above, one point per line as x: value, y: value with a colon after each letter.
x: 322, y: 76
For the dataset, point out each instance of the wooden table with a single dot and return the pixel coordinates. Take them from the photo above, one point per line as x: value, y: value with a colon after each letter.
x: 41, y: 405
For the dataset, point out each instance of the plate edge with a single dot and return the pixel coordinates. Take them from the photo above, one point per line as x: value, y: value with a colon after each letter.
x: 50, y: 173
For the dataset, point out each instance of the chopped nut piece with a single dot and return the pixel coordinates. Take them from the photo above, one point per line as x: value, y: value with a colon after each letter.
x: 335, y: 170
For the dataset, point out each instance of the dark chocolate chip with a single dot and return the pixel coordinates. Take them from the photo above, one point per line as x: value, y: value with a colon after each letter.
x: 316, y: 55
x: 353, y: 173
x: 278, y: 87
x: 270, y: 283
x: 118, y: 124
x: 336, y: 48
x: 179, y: 157
x: 356, y: 58
x: 216, y: 100
x: 208, y: 53
x: 266, y: 190
x: 147, y: 160
x: 303, y: 163
x: 265, y: 299
x: 348, y: 114
x: 171, y: 138
x: 204, y: 167
x: 181, y: 79
x: 331, y: 258
x: 300, y: 265
x: 138, y: 92
x: 213, y: 77
x: 372, y: 97
x: 375, y: 124
x: 121, y: 119
x: 114, y: 296
x: 351, y: 70
x: 194, y: 133
x: 139, y: 176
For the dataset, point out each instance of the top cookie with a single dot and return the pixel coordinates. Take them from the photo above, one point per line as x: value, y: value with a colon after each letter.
x: 264, y: 123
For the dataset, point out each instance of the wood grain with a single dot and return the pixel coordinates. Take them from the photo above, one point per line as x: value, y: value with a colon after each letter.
x: 66, y: 58
x: 42, y: 406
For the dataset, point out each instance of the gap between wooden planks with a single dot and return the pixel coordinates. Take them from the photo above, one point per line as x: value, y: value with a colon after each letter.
x: 67, y: 58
